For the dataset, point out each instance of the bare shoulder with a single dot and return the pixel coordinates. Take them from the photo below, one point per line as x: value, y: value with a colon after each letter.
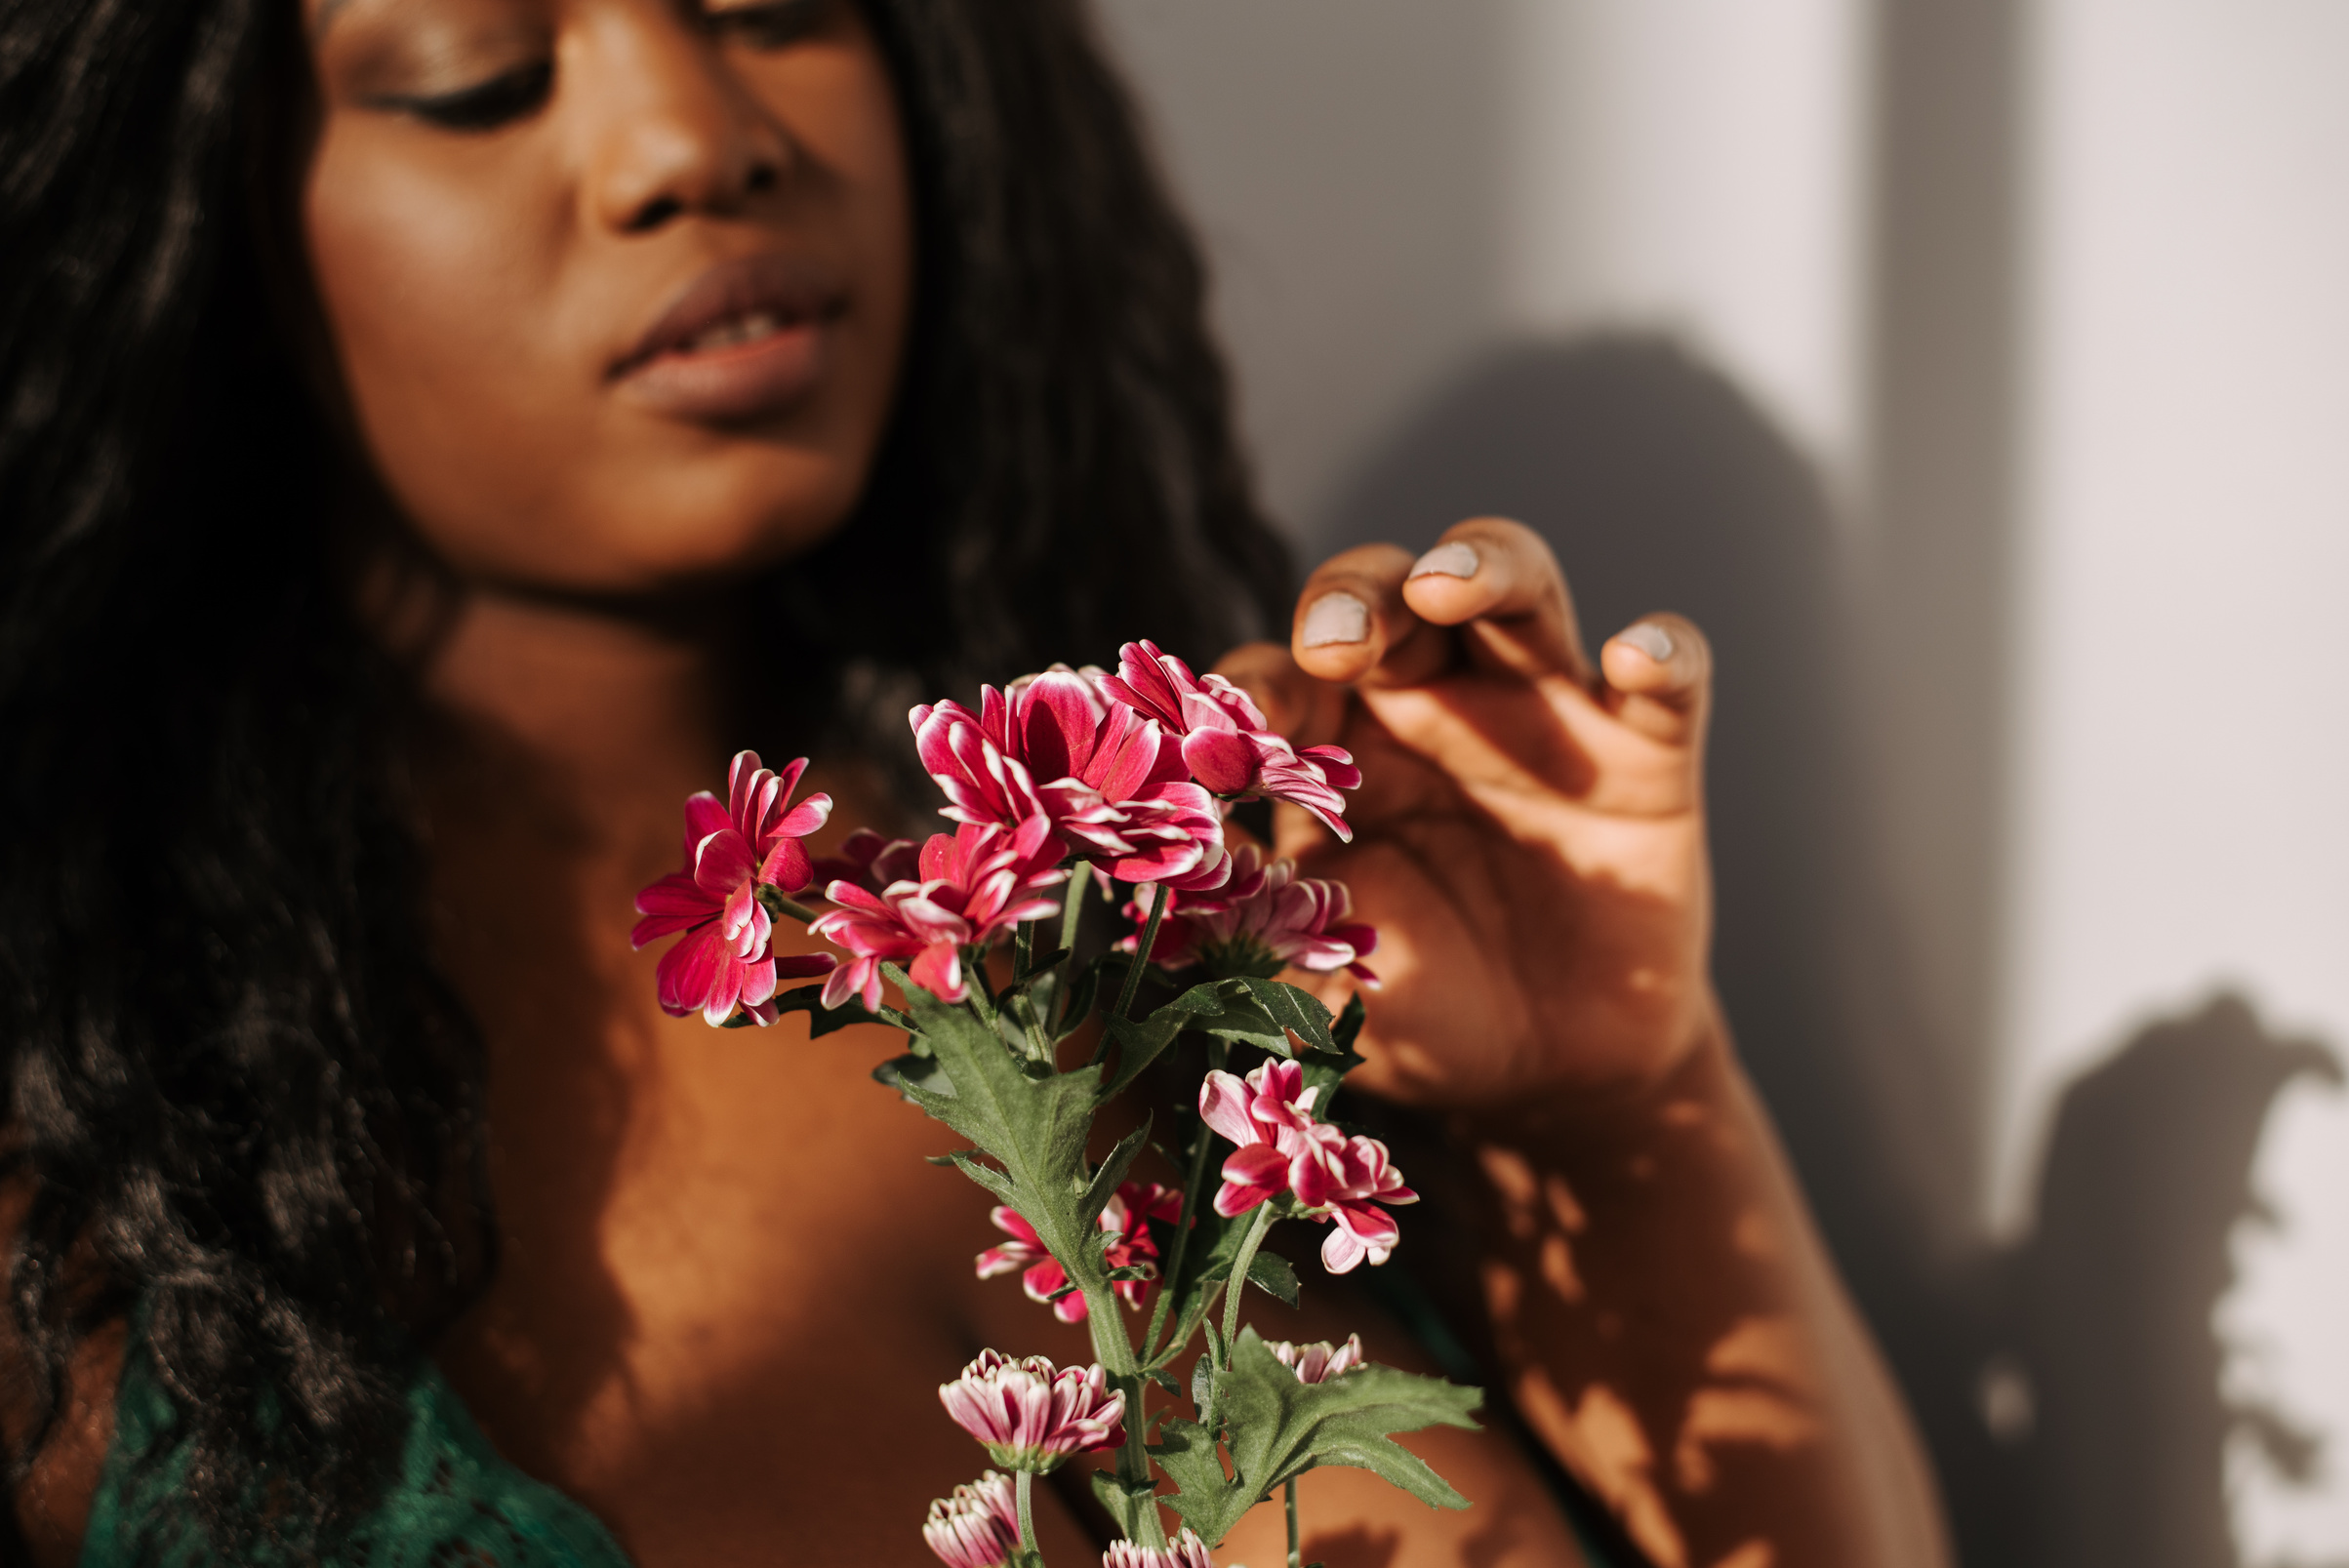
x: 52, y: 1506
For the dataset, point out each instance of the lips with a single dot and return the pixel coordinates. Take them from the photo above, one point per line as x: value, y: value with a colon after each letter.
x: 746, y: 337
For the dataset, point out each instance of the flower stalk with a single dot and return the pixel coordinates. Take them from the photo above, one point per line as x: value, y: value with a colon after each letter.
x: 1070, y: 777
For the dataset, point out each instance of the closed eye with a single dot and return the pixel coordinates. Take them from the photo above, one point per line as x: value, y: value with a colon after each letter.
x: 773, y: 23
x: 504, y: 98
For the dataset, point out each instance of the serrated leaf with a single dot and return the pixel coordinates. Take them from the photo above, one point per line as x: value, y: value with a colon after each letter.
x: 1030, y: 1120
x: 1280, y: 1428
x: 1293, y: 1009
x: 822, y: 1019
x: 1185, y: 1450
x: 1325, y: 1069
x: 1270, y: 1272
x: 909, y: 1073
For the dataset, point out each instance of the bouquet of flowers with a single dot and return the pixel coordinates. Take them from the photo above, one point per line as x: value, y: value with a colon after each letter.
x: 1068, y: 781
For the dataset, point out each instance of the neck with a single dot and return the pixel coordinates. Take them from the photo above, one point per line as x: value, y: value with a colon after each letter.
x: 610, y: 719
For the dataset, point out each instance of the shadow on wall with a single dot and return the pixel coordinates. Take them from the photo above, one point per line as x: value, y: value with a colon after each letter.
x: 2090, y: 1349
x: 2147, y: 1176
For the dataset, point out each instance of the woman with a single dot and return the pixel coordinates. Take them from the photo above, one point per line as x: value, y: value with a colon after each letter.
x: 437, y: 432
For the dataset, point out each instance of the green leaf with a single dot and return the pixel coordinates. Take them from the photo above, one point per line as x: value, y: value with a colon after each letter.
x: 1206, y: 1497
x: 822, y: 1019
x: 1112, y: 1171
x: 1041, y: 964
x: 1270, y: 1272
x: 1030, y: 1121
x: 1280, y: 1428
x: 1222, y: 1007
x: 1080, y: 1001
x: 1293, y: 1009
x: 1325, y: 1069
x: 1125, y: 1503
x: 1203, y: 1382
x: 908, y: 1074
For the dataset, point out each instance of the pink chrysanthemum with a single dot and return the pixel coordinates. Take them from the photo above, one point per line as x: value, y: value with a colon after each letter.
x: 978, y: 1527
x: 1335, y: 1179
x: 732, y: 851
x: 1185, y: 1551
x: 974, y: 883
x: 1033, y: 1416
x: 1320, y: 1361
x: 1113, y: 783
x: 1125, y: 1217
x: 1223, y: 740
x: 1265, y: 917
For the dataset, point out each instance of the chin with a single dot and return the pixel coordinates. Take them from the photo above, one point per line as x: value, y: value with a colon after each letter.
x: 720, y: 521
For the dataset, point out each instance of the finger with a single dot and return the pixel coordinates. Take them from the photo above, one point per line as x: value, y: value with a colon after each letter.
x: 1497, y: 580
x: 1354, y: 627
x: 1309, y: 711
x: 1659, y: 678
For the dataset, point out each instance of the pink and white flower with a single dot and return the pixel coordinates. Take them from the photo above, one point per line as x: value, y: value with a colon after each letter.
x: 1335, y: 1179
x: 1265, y: 917
x: 1269, y: 1115
x: 1320, y: 1361
x: 1342, y: 1181
x: 978, y: 1527
x: 1223, y: 740
x: 732, y: 850
x: 1113, y: 783
x: 1185, y: 1551
x: 1126, y: 1217
x: 1033, y: 1416
x: 975, y: 882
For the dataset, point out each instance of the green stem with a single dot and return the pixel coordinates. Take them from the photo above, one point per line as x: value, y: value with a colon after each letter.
x: 1141, y: 950
x: 1296, y: 1557
x: 1238, y: 1285
x: 777, y: 904
x: 1117, y: 1354
x: 1027, y: 1516
x: 1218, y: 1053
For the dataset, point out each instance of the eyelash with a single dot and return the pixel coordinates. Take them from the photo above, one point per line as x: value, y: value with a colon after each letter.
x: 487, y: 106
x: 512, y: 94
x: 775, y: 24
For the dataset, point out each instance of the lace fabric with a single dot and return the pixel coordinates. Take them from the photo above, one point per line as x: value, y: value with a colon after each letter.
x: 454, y: 1505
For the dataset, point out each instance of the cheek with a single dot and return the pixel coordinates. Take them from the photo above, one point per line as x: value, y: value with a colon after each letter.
x: 433, y: 280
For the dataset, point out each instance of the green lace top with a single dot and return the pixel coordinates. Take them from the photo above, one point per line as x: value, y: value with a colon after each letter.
x: 455, y: 1504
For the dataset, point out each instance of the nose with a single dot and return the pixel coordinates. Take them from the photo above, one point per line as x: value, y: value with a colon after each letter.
x: 674, y: 132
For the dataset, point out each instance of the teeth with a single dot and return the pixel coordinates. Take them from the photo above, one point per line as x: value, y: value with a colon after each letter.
x: 741, y: 330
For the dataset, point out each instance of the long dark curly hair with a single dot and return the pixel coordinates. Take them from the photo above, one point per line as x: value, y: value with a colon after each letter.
x: 242, y: 1100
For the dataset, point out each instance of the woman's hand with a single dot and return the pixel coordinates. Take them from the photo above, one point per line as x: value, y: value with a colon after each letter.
x: 1529, y: 835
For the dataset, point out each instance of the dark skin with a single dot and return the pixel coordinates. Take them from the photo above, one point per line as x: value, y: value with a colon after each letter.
x: 731, y: 1285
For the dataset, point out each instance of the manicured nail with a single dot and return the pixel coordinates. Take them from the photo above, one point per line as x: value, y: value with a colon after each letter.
x: 1650, y: 639
x: 1448, y: 560
x: 1336, y: 617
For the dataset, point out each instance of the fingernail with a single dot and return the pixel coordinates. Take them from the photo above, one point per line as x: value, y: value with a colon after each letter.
x: 1650, y: 639
x: 1448, y: 560
x: 1336, y: 617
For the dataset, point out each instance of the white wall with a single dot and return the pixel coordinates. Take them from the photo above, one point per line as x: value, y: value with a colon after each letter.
x: 1388, y: 186
x: 2181, y: 703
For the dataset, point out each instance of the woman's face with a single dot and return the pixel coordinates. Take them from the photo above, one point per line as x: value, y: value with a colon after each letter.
x: 619, y: 286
